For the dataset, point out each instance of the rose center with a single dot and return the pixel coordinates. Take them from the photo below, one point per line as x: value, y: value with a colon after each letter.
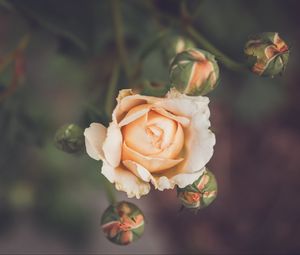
x: 155, y: 135
x: 150, y: 134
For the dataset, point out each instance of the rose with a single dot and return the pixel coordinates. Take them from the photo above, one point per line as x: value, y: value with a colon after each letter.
x: 165, y: 141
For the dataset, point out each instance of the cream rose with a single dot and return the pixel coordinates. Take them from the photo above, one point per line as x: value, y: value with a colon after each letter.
x: 163, y: 141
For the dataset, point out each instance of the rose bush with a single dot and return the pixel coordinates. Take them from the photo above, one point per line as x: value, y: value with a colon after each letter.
x: 163, y: 141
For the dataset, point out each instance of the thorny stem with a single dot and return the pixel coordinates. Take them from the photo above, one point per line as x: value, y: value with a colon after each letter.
x: 119, y: 36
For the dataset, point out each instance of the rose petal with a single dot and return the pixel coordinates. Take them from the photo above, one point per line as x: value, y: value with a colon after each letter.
x: 125, y: 181
x: 135, y: 134
x: 127, y: 101
x: 183, y: 105
x: 112, y: 147
x: 94, y: 138
x: 199, y: 140
x: 199, y: 143
x: 172, y: 178
x: 171, y: 103
x: 134, y: 114
x: 175, y: 147
x: 182, y: 120
x: 184, y: 179
x: 138, y: 170
x: 163, y: 130
x: 150, y: 163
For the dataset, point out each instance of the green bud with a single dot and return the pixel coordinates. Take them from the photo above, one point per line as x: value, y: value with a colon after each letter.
x: 176, y: 44
x: 194, y: 72
x: 123, y: 223
x: 69, y: 138
x: 267, y: 54
x: 199, y: 194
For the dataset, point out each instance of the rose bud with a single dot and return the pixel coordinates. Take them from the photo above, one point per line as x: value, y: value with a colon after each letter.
x: 267, y: 54
x: 123, y: 223
x: 194, y: 72
x: 174, y: 45
x: 69, y: 138
x: 165, y: 141
x: 199, y: 194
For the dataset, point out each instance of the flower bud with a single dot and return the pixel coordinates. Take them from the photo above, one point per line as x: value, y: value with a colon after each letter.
x: 194, y: 72
x: 69, y: 138
x: 123, y: 223
x: 267, y: 54
x: 199, y: 194
x: 176, y: 44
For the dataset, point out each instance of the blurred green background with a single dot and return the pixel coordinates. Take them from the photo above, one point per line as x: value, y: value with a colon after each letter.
x: 51, y: 202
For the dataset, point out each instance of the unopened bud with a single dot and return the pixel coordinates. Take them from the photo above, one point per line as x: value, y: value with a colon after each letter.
x: 69, y: 138
x: 199, y: 194
x: 123, y: 223
x: 194, y: 72
x: 267, y: 54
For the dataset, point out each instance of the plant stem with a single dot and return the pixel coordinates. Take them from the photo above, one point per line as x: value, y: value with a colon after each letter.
x: 16, y: 56
x: 110, y: 96
x: 110, y: 192
x: 225, y: 60
x: 109, y: 104
x: 194, y: 34
x: 119, y: 36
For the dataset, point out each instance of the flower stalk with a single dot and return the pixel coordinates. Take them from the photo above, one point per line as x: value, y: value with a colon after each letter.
x: 109, y: 104
x: 16, y: 56
x: 224, y: 59
x: 119, y: 36
x: 110, y: 192
x: 199, y: 38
